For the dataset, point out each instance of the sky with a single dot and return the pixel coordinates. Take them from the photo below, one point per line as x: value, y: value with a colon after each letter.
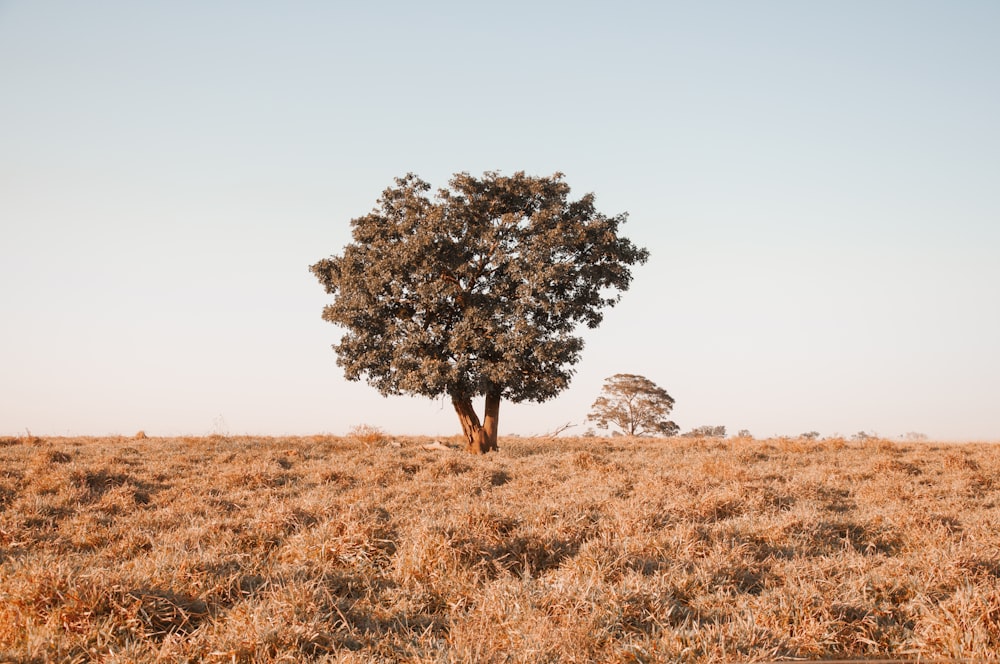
x: 818, y: 184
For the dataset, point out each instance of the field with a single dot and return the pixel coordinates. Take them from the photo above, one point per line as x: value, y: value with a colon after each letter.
x: 367, y: 549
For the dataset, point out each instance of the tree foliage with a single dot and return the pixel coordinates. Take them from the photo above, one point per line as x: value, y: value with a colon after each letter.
x: 477, y: 290
x: 707, y: 431
x: 636, y: 405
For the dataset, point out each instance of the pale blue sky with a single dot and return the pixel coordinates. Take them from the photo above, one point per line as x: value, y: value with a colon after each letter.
x: 817, y: 183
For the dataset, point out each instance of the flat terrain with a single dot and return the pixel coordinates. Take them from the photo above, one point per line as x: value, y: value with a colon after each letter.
x: 364, y: 549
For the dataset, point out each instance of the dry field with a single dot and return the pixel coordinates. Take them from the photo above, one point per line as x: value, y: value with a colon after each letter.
x: 589, y: 550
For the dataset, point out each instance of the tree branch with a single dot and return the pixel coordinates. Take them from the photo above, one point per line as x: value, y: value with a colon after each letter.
x: 448, y: 277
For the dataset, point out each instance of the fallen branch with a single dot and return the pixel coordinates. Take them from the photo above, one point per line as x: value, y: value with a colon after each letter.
x: 558, y: 430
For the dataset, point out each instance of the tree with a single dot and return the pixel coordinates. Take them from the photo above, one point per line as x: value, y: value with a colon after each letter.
x: 475, y: 292
x: 636, y: 405
x: 707, y: 431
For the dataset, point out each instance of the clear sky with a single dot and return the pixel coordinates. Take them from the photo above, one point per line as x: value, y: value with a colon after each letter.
x: 818, y: 184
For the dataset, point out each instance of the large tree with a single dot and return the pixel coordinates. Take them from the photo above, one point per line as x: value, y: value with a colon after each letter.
x: 635, y: 404
x: 475, y: 291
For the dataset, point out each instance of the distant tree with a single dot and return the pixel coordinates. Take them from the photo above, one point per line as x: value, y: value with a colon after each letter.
x: 861, y: 435
x: 810, y: 435
x: 915, y: 436
x: 744, y: 433
x: 707, y: 431
x: 476, y: 291
x: 634, y: 404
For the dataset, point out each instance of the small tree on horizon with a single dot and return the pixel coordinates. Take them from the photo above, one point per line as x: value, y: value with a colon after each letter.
x: 476, y: 291
x: 636, y: 405
x: 707, y: 431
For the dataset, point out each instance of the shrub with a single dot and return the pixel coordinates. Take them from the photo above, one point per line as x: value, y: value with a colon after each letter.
x: 368, y: 435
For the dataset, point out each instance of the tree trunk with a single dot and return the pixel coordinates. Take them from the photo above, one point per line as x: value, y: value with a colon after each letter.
x: 478, y: 439
x: 491, y: 418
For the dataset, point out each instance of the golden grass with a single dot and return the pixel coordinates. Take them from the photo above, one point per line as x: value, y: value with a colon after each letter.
x: 356, y: 550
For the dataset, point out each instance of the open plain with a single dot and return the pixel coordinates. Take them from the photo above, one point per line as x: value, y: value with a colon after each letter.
x: 368, y: 548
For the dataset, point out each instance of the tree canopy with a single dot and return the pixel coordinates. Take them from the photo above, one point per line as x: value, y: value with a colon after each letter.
x: 475, y: 291
x: 636, y: 405
x: 707, y: 431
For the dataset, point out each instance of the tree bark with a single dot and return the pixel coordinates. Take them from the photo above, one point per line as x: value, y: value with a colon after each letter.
x: 478, y: 439
x: 491, y: 418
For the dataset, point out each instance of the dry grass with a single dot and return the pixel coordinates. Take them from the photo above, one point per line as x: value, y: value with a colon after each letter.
x: 351, y: 550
